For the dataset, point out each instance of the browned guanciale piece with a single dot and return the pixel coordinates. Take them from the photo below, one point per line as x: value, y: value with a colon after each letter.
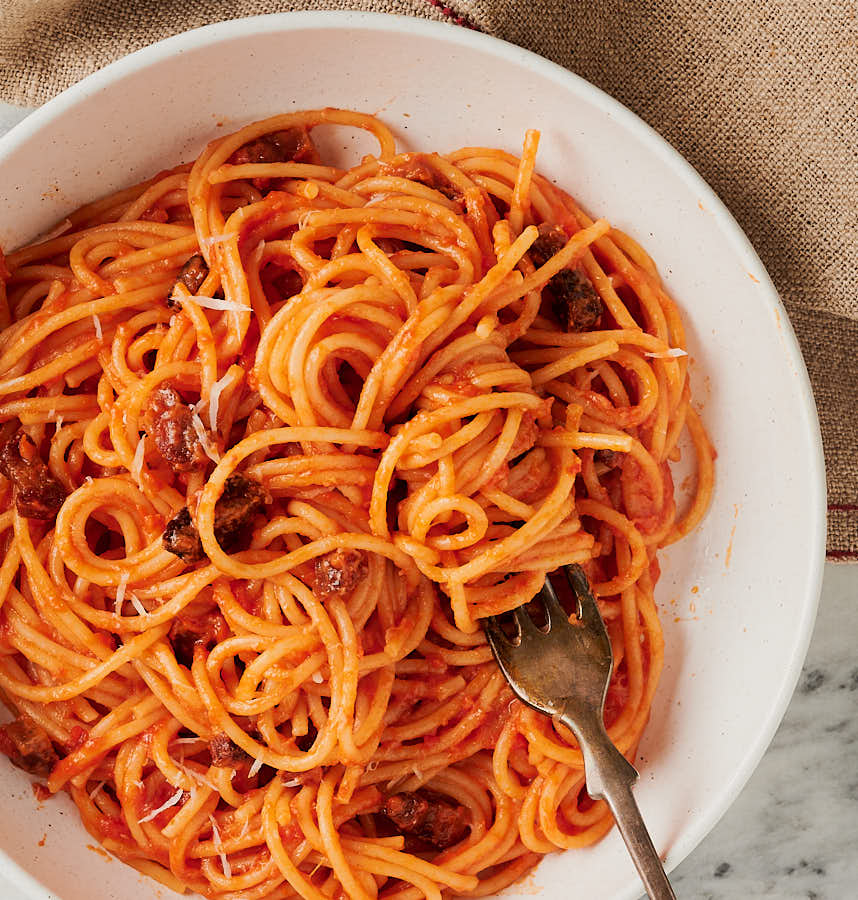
x: 574, y: 300
x: 28, y: 746
x: 416, y: 167
x: 182, y: 539
x: 340, y: 571
x: 194, y: 273
x: 608, y: 458
x: 289, y: 145
x: 224, y: 752
x: 170, y: 422
x: 551, y: 240
x: 428, y: 818
x: 188, y: 631
x: 38, y: 495
x: 242, y: 498
x: 575, y: 303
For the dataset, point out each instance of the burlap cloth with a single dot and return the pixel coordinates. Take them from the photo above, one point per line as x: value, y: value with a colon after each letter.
x: 761, y: 97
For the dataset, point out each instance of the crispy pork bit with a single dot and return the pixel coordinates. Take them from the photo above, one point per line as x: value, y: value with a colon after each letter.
x: 224, y: 752
x: 340, y: 571
x: 241, y: 500
x: 38, y: 495
x: 608, y: 458
x: 430, y: 819
x: 574, y: 300
x: 188, y: 631
x: 182, y: 539
x: 170, y: 422
x: 551, y: 240
x: 28, y: 746
x: 416, y: 167
x: 290, y: 145
x: 194, y: 273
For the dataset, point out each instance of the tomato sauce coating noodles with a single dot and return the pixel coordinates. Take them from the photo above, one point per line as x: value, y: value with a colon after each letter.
x: 275, y: 436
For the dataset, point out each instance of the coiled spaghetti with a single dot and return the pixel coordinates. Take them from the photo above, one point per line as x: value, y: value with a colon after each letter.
x: 293, y: 475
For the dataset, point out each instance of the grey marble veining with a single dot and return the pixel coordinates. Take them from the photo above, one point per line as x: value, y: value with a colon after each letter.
x: 793, y: 832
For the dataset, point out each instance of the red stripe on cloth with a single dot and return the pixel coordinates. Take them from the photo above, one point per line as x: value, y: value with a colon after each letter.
x: 842, y: 554
x: 843, y: 507
x: 452, y: 15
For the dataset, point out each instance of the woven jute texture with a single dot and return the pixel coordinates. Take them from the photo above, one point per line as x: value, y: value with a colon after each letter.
x: 762, y: 98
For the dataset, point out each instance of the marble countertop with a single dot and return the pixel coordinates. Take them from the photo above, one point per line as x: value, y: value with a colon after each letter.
x: 793, y: 832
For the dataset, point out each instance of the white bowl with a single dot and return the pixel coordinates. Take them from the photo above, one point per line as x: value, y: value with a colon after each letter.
x: 738, y: 597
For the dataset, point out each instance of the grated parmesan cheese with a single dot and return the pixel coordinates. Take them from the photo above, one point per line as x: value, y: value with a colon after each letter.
x: 141, y: 609
x: 195, y: 776
x: 212, y: 239
x: 254, y: 769
x: 120, y: 593
x: 59, y: 423
x: 219, y: 304
x: 317, y: 677
x: 97, y: 323
x: 205, y: 443
x: 214, y: 397
x: 667, y: 354
x: 256, y: 256
x: 171, y: 802
x: 304, y: 218
x: 293, y: 783
x: 95, y: 790
x: 227, y: 869
x: 137, y: 462
x: 394, y: 783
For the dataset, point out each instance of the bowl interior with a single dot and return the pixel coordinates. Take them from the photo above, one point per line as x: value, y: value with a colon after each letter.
x: 737, y: 597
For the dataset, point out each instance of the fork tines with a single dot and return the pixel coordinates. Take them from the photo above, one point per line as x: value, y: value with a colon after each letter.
x: 586, y: 609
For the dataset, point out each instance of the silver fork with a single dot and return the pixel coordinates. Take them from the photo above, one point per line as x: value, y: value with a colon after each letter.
x: 563, y: 671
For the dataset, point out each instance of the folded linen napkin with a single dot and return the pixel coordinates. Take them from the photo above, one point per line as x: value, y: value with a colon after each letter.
x: 762, y: 98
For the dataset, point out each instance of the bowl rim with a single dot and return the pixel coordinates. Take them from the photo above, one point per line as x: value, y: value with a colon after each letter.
x: 806, y: 413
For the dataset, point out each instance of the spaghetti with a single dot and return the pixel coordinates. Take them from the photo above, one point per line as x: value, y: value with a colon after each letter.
x: 276, y: 436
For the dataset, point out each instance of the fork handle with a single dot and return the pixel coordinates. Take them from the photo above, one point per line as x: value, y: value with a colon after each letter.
x: 610, y: 776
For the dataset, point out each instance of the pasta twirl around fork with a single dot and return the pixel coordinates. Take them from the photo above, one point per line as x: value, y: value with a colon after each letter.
x: 274, y: 437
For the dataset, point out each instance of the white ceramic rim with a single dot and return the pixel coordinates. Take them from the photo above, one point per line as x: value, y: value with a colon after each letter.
x: 807, y: 414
